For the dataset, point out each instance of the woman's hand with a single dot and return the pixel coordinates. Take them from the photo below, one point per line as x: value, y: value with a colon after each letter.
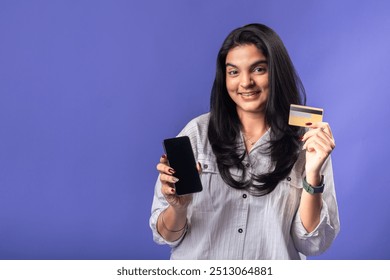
x: 319, y: 143
x: 167, y: 178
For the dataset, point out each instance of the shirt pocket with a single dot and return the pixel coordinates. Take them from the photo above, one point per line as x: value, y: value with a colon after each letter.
x: 294, y: 180
x: 287, y: 195
x: 290, y: 187
x: 210, y: 178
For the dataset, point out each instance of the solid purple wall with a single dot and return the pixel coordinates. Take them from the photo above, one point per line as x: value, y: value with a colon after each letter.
x: 88, y: 90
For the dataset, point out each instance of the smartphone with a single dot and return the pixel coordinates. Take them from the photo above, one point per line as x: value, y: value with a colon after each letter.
x: 181, y: 158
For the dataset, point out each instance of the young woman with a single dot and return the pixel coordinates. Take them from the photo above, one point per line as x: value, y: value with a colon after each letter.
x: 258, y: 172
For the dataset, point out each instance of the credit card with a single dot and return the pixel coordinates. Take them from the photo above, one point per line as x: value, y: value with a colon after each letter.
x: 300, y: 115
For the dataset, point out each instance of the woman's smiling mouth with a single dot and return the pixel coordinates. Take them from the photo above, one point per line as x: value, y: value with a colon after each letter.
x: 248, y: 94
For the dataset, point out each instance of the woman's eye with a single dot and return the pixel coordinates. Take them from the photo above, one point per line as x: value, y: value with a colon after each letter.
x: 259, y: 70
x: 232, y: 72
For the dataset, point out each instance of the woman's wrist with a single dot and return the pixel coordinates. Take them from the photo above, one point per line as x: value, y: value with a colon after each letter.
x: 169, y: 229
x: 172, y: 223
x: 313, y: 178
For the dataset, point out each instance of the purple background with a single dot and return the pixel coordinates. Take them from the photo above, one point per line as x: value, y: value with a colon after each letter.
x: 88, y: 90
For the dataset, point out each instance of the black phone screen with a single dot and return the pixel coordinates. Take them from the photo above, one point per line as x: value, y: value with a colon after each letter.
x: 181, y: 159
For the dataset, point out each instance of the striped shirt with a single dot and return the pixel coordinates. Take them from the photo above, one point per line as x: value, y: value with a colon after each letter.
x: 226, y: 223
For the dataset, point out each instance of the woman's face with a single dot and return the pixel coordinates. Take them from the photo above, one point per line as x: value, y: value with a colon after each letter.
x: 247, y: 79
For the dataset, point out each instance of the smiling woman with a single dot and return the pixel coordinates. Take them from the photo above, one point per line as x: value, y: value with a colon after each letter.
x: 247, y: 79
x: 253, y: 165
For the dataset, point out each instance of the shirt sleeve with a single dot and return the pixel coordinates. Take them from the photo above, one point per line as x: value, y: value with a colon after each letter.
x: 317, y: 241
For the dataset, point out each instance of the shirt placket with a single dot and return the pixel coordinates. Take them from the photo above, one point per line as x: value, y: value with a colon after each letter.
x: 243, y: 210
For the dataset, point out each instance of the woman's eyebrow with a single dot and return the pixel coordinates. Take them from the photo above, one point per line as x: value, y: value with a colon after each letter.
x: 231, y: 65
x: 261, y: 61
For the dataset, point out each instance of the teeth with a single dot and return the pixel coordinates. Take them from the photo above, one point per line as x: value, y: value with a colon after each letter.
x: 248, y: 94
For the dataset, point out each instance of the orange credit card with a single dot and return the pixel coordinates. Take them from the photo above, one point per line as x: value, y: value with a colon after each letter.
x: 300, y: 115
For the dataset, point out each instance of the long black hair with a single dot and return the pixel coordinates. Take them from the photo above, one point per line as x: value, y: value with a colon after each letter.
x: 285, y: 88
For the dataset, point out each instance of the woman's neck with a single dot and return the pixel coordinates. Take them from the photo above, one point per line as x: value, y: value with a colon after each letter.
x: 253, y: 124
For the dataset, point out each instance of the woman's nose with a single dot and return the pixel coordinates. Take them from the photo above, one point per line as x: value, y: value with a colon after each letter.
x: 246, y: 81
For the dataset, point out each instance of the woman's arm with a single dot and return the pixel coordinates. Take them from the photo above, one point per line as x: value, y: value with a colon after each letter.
x: 319, y: 143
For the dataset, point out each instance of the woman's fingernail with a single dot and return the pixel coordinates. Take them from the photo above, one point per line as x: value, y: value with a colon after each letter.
x: 170, y: 170
x: 164, y: 156
x: 308, y: 123
x: 175, y: 180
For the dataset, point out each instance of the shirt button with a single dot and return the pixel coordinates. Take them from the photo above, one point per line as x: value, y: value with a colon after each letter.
x: 240, y: 230
x: 247, y: 165
x: 244, y: 195
x: 288, y: 179
x: 205, y: 166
